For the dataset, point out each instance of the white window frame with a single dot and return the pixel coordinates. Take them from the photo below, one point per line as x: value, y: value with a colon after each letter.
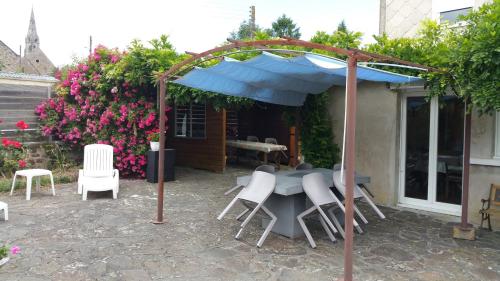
x: 190, y: 122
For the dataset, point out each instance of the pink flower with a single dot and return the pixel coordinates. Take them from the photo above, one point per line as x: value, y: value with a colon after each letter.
x: 114, y: 58
x: 22, y: 164
x: 22, y: 125
x: 114, y: 90
x: 15, y: 250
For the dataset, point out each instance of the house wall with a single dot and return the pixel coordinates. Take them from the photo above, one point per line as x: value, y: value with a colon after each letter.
x: 377, y: 145
x: 208, y: 153
x: 484, y: 170
x: 376, y: 136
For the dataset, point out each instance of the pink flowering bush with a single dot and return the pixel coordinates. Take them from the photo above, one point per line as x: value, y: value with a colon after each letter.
x: 98, y: 101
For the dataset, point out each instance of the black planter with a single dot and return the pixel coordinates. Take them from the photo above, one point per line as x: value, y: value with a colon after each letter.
x: 168, y: 167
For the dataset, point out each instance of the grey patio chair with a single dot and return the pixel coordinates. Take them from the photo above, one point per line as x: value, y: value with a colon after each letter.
x: 319, y: 193
x: 253, y: 196
x: 358, y: 194
x: 263, y: 168
x: 304, y: 166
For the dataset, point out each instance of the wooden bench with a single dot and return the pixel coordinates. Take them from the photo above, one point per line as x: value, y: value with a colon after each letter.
x: 491, y: 206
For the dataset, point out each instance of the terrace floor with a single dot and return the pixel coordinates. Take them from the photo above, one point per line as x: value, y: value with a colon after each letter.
x: 64, y: 238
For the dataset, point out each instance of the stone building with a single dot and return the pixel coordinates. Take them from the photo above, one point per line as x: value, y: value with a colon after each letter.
x: 34, y: 60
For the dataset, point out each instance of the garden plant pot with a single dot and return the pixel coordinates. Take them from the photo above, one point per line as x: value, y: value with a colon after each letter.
x: 4, y: 261
x: 155, y: 146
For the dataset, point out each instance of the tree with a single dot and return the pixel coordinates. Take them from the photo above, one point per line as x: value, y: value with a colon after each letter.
x: 285, y: 27
x: 244, y: 31
x: 342, y: 37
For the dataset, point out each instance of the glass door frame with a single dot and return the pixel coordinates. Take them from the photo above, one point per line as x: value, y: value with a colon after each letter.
x: 430, y: 204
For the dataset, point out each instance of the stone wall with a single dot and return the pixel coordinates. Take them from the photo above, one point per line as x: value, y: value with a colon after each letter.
x: 401, y: 18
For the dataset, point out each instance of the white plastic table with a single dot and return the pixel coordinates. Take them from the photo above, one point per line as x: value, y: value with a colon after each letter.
x: 288, y: 199
x: 30, y: 174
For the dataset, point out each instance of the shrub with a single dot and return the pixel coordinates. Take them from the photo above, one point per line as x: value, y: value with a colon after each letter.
x: 13, y: 153
x: 98, y: 102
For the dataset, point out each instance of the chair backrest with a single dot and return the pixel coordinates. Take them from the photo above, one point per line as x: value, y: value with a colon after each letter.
x: 341, y: 186
x: 317, y: 189
x: 261, y: 185
x: 495, y: 195
x: 266, y: 168
x: 252, y: 138
x: 271, y: 141
x: 304, y: 166
x: 98, y: 160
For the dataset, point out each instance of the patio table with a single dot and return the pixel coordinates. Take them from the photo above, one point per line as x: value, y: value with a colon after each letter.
x: 289, y: 200
x: 266, y: 148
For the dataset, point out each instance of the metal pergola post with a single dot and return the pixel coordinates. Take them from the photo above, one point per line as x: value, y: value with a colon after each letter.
x: 466, y: 165
x: 351, y: 101
x: 161, y: 154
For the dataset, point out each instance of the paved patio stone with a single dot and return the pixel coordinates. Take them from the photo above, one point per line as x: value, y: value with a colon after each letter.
x: 64, y: 238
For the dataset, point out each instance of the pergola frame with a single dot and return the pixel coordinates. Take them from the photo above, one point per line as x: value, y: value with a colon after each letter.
x: 353, y: 56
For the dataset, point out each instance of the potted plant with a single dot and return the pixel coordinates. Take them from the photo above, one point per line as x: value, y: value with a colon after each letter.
x: 154, y: 140
x: 4, y: 253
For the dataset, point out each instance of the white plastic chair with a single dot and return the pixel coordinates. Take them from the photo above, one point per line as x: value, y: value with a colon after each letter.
x: 319, y: 193
x: 257, y: 191
x: 98, y: 173
x: 358, y: 194
x: 5, y: 208
x: 263, y: 168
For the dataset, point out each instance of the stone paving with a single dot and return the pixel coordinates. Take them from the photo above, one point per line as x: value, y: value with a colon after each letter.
x: 64, y: 238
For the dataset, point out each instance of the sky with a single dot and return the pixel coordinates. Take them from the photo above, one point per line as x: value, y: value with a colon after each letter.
x: 64, y: 27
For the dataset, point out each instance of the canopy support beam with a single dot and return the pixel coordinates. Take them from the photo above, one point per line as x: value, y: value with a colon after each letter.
x: 350, y: 165
x: 465, y: 230
x: 161, y: 154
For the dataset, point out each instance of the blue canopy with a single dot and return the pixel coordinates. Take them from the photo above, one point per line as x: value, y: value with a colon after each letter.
x: 286, y: 81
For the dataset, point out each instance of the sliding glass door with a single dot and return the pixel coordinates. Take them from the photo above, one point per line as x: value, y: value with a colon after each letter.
x: 431, y: 153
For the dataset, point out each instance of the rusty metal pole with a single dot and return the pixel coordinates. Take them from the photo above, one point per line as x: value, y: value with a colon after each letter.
x: 161, y: 153
x: 466, y: 163
x: 350, y: 165
x: 465, y: 230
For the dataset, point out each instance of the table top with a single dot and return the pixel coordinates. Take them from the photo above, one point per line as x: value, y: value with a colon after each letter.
x: 253, y: 145
x: 290, y: 182
x: 33, y: 172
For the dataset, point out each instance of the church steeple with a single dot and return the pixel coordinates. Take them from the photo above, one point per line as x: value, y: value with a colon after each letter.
x: 32, y: 41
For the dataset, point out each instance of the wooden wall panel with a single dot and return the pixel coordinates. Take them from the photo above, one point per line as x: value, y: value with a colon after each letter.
x: 209, y: 153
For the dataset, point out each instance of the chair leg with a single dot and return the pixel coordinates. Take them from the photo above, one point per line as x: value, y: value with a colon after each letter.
x: 327, y: 220
x: 327, y: 230
x: 300, y: 218
x: 52, y: 184
x: 224, y: 212
x: 28, y: 187
x: 336, y: 222
x: 370, y: 202
x: 13, y: 183
x: 360, y: 214
x: 268, y: 228
x: 115, y: 193
x: 247, y: 220
x: 489, y: 222
x: 6, y: 213
x: 482, y: 220
x: 232, y: 189
x: 84, y: 194
x: 242, y: 214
